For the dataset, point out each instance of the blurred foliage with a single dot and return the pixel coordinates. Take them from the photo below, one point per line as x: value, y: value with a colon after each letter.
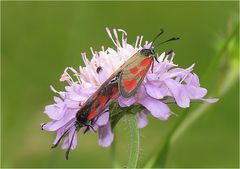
x: 225, y: 60
x: 40, y: 39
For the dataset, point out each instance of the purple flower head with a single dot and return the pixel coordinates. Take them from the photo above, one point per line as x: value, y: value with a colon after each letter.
x: 163, y: 84
x: 81, y: 85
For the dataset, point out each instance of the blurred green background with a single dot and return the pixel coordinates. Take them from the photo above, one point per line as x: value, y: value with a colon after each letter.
x: 40, y: 39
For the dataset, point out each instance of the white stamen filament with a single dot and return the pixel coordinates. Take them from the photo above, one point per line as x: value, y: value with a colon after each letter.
x: 93, y: 54
x: 161, y: 57
x: 102, y: 48
x: 116, y: 36
x: 188, y: 70
x: 171, y: 60
x: 140, y: 42
x: 75, y: 74
x: 123, y: 31
x: 85, y: 60
x: 66, y: 77
x: 53, y: 89
x: 136, y: 41
x: 146, y: 43
x: 166, y: 58
x: 184, y: 77
x: 110, y: 35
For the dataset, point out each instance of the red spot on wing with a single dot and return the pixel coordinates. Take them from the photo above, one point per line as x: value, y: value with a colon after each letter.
x: 114, y: 92
x: 142, y: 73
x: 103, y: 100
x: 92, y: 114
x: 134, y: 70
x: 129, y: 84
x: 146, y: 62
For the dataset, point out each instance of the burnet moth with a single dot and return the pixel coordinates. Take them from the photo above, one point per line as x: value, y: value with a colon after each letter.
x: 137, y: 67
x: 93, y: 108
x: 124, y: 81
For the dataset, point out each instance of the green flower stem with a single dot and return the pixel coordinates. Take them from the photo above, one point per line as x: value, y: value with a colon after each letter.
x: 134, y: 141
x: 116, y: 114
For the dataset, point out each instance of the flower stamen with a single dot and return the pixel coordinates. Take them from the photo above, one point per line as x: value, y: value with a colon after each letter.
x: 110, y: 35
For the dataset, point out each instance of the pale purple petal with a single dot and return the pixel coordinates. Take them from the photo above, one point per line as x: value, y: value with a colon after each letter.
x: 147, y: 45
x: 156, y: 108
x: 72, y: 136
x: 73, y: 88
x: 103, y: 119
x: 154, y: 91
x: 81, y: 94
x: 212, y: 100
x: 54, y: 112
x: 142, y: 119
x: 195, y: 92
x: 102, y: 76
x: 60, y: 132
x: 192, y: 79
x: 57, y: 99
x: 105, y: 135
x: 179, y: 93
x: 126, y: 102
x: 55, y: 125
x: 151, y: 77
x: 177, y: 72
x: 72, y: 104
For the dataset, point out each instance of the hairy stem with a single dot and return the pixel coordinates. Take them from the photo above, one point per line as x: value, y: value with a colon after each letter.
x: 134, y: 141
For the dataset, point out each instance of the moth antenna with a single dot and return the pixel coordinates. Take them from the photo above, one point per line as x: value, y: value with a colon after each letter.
x: 64, y: 134
x: 155, y: 57
x: 155, y: 38
x: 89, y: 126
x: 171, y: 39
x: 69, y: 147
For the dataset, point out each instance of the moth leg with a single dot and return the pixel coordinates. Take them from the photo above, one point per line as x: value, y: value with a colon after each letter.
x: 88, y: 128
x: 153, y: 64
x: 93, y: 129
x: 155, y: 57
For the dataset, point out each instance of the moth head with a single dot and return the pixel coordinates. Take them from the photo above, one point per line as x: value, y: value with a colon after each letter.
x: 147, y: 52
